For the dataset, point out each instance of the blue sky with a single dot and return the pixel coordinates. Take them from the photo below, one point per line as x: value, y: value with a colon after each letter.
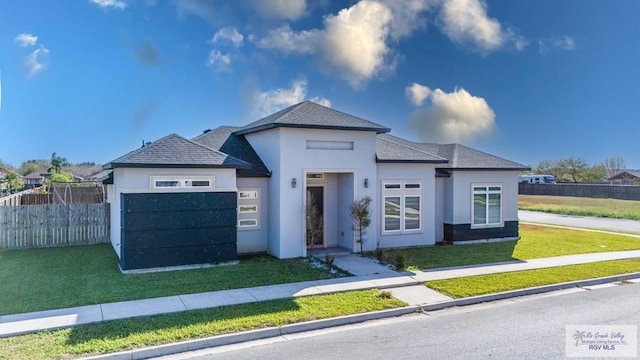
x: 526, y: 80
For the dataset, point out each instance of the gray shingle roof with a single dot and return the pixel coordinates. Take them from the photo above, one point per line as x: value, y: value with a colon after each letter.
x: 311, y: 115
x: 176, y: 151
x: 223, y: 139
x: 459, y: 157
x: 626, y: 174
x: 394, y: 149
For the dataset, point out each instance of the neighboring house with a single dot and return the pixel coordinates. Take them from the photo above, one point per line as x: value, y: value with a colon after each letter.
x: 35, y: 179
x: 243, y: 189
x: 627, y: 177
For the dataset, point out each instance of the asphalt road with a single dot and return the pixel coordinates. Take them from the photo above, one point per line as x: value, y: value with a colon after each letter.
x: 525, y: 328
x: 623, y: 225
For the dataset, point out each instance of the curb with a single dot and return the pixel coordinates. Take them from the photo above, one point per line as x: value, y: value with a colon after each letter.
x: 228, y: 339
x: 528, y: 291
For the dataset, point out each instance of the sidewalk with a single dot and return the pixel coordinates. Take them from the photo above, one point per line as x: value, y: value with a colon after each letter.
x: 368, y: 274
x: 585, y: 222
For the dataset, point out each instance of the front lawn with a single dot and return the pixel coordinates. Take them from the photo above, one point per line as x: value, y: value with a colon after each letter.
x: 610, y: 208
x: 536, y: 242
x: 43, y: 279
x: 494, y: 283
x: 127, y: 334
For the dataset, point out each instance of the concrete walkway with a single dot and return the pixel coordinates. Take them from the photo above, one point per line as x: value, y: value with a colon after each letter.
x: 519, y: 265
x: 369, y: 274
x: 587, y: 222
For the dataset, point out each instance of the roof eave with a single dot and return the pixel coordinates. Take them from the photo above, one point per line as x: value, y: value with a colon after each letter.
x: 193, y: 166
x: 488, y: 168
x: 411, y: 161
x: 378, y: 130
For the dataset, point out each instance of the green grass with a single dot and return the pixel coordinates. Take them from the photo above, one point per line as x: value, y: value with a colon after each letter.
x: 121, y: 335
x: 493, y: 283
x: 609, y: 208
x: 42, y: 279
x: 536, y: 242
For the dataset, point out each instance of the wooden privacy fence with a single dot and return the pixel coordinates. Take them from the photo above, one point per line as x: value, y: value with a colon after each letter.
x: 53, y: 225
x: 606, y: 191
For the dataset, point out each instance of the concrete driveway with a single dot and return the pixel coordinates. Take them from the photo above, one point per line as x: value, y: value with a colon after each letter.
x: 622, y: 225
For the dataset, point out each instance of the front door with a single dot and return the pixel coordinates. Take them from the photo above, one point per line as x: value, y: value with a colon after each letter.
x: 315, y: 216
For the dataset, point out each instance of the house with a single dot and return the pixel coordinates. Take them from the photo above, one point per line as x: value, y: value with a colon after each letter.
x: 35, y: 179
x: 231, y: 190
x: 627, y: 177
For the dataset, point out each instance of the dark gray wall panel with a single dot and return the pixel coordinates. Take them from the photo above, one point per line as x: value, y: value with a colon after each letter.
x: 464, y: 232
x: 172, y: 229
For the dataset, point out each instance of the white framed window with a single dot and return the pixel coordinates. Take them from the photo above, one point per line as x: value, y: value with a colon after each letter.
x: 486, y: 205
x: 402, y: 207
x: 249, y: 216
x: 247, y: 223
x: 247, y: 208
x: 247, y: 194
x: 181, y: 182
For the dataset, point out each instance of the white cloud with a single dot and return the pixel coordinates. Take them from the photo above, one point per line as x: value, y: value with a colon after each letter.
x: 453, y: 117
x: 219, y: 61
x: 407, y: 15
x: 280, y: 9
x: 105, y: 4
x: 466, y: 23
x: 268, y: 102
x: 228, y: 34
x: 24, y: 40
x: 33, y: 61
x: 352, y: 44
x: 566, y: 43
x: 417, y: 93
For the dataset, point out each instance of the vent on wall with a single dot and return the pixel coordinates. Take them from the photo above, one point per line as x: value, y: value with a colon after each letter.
x: 329, y: 145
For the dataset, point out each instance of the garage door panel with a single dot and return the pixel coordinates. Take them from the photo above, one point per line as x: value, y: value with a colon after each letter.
x: 139, y: 221
x: 151, y: 202
x: 187, y: 255
x: 180, y: 238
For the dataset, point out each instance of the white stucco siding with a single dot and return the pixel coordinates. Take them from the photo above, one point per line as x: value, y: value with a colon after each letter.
x: 285, y: 151
x: 137, y: 180
x: 425, y: 173
x: 462, y: 183
x: 256, y: 240
x: 267, y: 146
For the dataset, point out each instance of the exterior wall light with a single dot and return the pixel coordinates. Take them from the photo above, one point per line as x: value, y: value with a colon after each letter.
x: 294, y: 182
x: 366, y: 182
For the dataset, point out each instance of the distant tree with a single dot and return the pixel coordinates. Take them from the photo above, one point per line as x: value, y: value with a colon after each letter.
x: 13, y: 181
x: 551, y: 167
x: 30, y: 166
x: 594, y: 174
x: 57, y: 163
x: 574, y: 167
x: 614, y: 165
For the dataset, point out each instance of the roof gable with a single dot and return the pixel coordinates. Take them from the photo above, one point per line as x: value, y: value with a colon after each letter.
x: 395, y: 149
x: 390, y: 148
x: 223, y: 139
x: 176, y: 151
x: 311, y: 115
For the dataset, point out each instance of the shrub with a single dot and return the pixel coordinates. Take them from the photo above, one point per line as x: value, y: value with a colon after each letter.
x: 399, y: 262
x: 385, y: 294
x: 329, y: 259
x: 379, y: 253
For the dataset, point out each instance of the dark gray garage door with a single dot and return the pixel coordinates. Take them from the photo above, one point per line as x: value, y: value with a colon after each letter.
x: 171, y: 229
